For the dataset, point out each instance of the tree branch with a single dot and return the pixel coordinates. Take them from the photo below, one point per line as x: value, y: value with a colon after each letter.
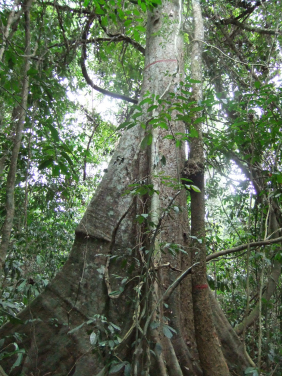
x: 119, y: 38
x: 85, y: 73
x: 249, y: 10
x: 242, y: 247
x: 254, y: 29
x: 124, y: 37
x: 173, y: 286
x: 67, y: 8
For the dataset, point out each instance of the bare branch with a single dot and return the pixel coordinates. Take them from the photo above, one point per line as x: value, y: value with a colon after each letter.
x: 66, y: 8
x: 243, y: 247
x: 254, y: 29
x: 85, y: 73
x: 173, y: 286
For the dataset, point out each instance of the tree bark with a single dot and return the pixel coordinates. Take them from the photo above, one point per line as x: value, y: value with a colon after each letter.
x: 210, y: 352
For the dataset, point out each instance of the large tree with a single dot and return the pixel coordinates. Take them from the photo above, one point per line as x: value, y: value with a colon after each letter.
x: 133, y: 296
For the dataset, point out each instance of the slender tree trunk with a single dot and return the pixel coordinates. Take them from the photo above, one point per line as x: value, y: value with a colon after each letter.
x: 13, y: 16
x: 21, y: 112
x: 210, y: 352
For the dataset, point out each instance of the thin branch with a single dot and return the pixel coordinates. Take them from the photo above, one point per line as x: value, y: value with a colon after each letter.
x: 124, y: 37
x: 119, y: 38
x: 255, y: 29
x: 236, y: 61
x: 167, y: 294
x: 173, y: 286
x: 249, y: 10
x: 66, y: 8
x: 85, y: 73
x: 243, y: 247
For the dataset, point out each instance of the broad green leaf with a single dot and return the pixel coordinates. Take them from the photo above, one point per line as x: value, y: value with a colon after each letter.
x: 158, y: 348
x: 146, y: 100
x: 167, y: 332
x: 257, y: 84
x: 66, y: 156
x: 54, y: 132
x: 116, y: 367
x: 19, y: 359
x: 127, y: 23
x: 154, y: 325
x: 151, y: 108
x: 196, y: 189
x: 47, y: 163
x: 127, y: 370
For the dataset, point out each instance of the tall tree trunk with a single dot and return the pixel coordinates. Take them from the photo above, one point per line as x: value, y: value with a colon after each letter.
x: 210, y: 352
x: 85, y: 288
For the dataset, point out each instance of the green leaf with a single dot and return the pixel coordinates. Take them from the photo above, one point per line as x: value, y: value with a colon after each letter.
x: 127, y: 23
x: 19, y: 359
x: 151, y: 108
x: 93, y: 338
x: 127, y: 370
x: 146, y: 100
x: 154, y: 325
x: 124, y: 125
x: 251, y: 371
x: 14, y: 320
x: 104, y: 21
x: 147, y: 140
x: 158, y: 348
x: 76, y: 328
x: 98, y: 10
x: 279, y: 178
x: 117, y: 367
x: 193, y: 81
x: 117, y: 292
x: 54, y: 132
x: 143, y: 6
x: 167, y: 332
x: 163, y: 125
x: 116, y: 327
x: 66, y: 156
x: 257, y: 84
x: 47, y: 163
x: 32, y: 72
x: 136, y: 115
x: 193, y: 132
x: 196, y: 189
x: 150, y: 139
x: 199, y: 120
